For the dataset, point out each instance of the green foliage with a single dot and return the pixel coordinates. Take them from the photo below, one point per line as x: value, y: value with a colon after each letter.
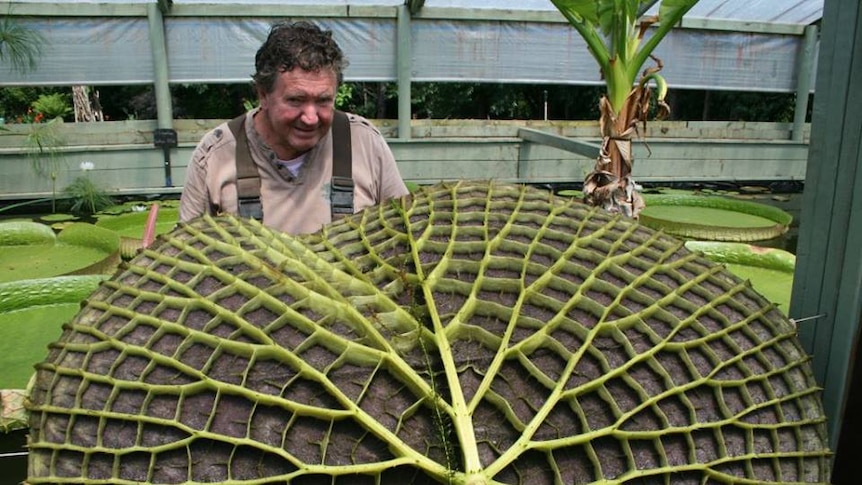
x: 210, y: 101
x: 54, y: 105
x: 343, y: 95
x: 15, y: 101
x: 369, y: 99
x: 699, y: 104
x: 614, y: 31
x: 430, y: 100
x: 85, y: 197
x: 20, y: 45
x: 504, y: 101
x: 249, y: 104
x: 43, y: 149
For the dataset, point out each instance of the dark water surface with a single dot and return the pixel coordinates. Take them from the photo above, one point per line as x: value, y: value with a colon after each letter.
x: 13, y: 469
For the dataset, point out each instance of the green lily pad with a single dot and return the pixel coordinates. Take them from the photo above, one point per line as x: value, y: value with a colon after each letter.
x: 713, y: 218
x: 32, y: 313
x: 23, y: 232
x: 769, y: 270
x: 52, y: 218
x: 32, y: 250
x: 131, y: 224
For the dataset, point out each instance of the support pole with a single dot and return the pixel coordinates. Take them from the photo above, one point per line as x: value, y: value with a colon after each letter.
x: 404, y: 63
x: 164, y: 136
x: 803, y: 81
x: 828, y: 276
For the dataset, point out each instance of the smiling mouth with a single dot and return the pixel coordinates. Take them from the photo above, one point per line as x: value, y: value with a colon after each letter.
x: 305, y: 133
x: 308, y: 129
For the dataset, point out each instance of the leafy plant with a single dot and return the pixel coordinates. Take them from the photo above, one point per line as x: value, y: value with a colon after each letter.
x: 343, y: 95
x: 20, y: 46
x: 615, y: 34
x: 86, y: 197
x: 54, y: 105
x: 43, y: 148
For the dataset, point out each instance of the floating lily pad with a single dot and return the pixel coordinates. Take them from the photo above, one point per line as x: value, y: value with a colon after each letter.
x: 713, y: 218
x: 131, y: 224
x: 32, y: 250
x: 32, y: 313
x: 52, y: 218
x: 769, y: 270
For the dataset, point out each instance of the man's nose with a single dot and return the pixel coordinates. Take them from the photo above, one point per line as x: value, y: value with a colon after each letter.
x: 309, y: 114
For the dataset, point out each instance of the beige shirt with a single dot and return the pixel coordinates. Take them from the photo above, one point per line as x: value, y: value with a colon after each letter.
x: 296, y: 205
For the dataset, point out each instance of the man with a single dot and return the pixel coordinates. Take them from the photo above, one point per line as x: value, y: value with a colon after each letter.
x: 290, y: 139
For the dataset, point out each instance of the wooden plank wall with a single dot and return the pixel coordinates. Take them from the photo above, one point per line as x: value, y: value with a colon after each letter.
x: 126, y: 161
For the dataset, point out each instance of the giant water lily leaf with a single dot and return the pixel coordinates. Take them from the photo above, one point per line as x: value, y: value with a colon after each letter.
x: 471, y: 334
x: 131, y: 224
x: 32, y: 313
x: 714, y: 218
x: 770, y: 270
x: 30, y: 250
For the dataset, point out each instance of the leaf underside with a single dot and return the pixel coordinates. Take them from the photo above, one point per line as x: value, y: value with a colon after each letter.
x: 474, y: 333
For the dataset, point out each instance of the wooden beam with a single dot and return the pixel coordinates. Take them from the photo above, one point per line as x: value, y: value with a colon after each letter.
x: 580, y: 147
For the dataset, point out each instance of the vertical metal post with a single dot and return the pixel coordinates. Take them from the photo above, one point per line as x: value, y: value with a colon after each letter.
x: 545, y: 99
x: 803, y: 81
x: 828, y: 276
x: 164, y: 109
x: 404, y: 64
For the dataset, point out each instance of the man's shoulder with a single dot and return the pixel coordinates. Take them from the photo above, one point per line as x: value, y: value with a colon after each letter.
x: 361, y: 125
x: 220, y: 136
x: 215, y: 145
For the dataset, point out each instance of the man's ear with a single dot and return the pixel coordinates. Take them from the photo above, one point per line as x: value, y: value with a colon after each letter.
x: 261, y: 96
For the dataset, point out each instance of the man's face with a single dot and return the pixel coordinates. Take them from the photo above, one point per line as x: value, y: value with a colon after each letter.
x: 298, y: 112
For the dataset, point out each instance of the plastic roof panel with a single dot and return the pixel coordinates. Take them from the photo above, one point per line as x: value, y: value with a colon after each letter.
x: 103, y: 51
x: 799, y: 12
x: 796, y: 12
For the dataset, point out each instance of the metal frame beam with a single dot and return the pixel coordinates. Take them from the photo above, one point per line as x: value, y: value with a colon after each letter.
x: 404, y: 63
x: 63, y: 9
x: 828, y: 278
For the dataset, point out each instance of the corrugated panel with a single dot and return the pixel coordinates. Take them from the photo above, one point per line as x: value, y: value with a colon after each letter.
x: 100, y: 51
x: 800, y: 12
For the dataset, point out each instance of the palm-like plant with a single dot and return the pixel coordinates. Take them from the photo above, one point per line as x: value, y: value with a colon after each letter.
x: 615, y: 35
x: 20, y: 46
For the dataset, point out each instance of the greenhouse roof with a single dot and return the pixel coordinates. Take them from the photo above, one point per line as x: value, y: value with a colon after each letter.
x: 742, y: 45
x: 795, y: 12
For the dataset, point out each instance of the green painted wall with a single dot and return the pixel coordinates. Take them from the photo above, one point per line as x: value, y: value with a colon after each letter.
x: 125, y: 159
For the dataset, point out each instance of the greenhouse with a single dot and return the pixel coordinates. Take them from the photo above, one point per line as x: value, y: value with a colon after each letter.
x: 169, y: 43
x: 810, y: 50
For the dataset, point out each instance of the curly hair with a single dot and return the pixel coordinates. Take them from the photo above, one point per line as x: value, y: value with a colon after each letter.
x: 296, y: 44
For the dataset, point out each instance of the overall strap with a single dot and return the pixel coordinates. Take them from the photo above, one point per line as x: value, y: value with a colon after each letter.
x: 341, y: 185
x: 247, y: 177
